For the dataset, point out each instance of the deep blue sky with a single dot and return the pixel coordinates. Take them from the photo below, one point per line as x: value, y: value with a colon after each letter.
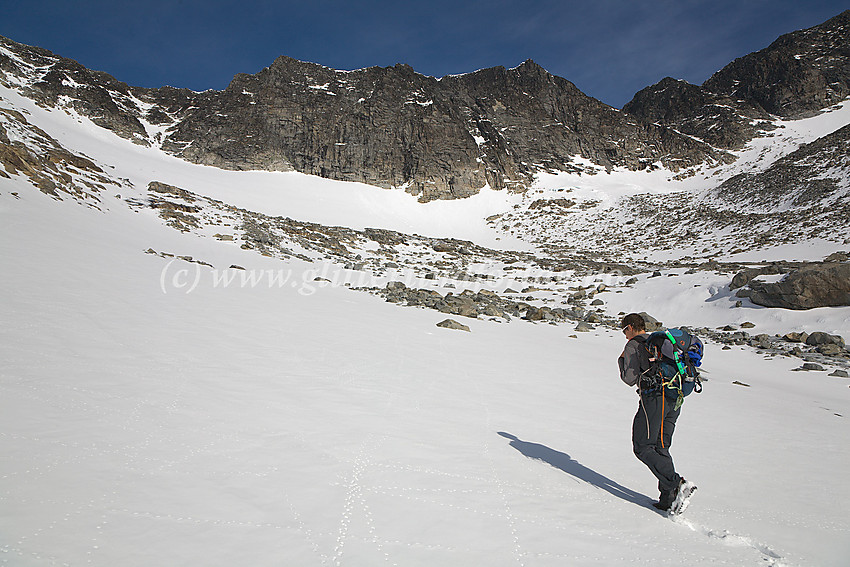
x: 609, y: 49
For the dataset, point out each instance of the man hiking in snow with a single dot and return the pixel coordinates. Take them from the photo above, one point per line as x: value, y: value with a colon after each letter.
x: 652, y: 429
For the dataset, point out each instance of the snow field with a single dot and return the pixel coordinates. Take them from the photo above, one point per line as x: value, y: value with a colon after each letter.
x: 264, y: 426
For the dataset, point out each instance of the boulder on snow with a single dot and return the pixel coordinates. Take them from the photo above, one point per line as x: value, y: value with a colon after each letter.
x: 796, y: 337
x: 452, y: 324
x: 744, y: 277
x: 652, y: 324
x: 462, y: 305
x: 810, y: 366
x: 761, y: 341
x: 818, y: 338
x: 830, y: 350
x: 818, y: 285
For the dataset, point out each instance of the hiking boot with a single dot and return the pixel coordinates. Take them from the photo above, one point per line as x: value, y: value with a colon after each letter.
x: 668, y: 496
x: 665, y: 500
x: 683, y: 496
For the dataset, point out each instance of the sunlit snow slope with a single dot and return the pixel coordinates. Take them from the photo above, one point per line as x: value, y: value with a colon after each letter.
x: 320, y: 426
x: 152, y: 413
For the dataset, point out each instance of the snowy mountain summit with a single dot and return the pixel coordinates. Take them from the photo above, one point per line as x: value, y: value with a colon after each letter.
x: 372, y: 317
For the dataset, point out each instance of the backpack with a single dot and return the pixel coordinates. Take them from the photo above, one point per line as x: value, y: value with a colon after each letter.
x: 674, y: 356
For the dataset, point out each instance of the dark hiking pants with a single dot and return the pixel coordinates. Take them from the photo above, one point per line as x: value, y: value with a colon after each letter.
x: 656, y: 415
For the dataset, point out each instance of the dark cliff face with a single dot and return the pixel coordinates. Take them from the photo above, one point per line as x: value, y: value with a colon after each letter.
x: 796, y: 76
x: 392, y: 127
x: 722, y: 121
x: 383, y: 126
x: 439, y: 138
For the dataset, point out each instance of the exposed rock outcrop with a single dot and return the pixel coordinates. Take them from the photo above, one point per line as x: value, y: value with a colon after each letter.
x: 452, y: 324
x: 29, y: 151
x: 438, y: 138
x: 819, y: 285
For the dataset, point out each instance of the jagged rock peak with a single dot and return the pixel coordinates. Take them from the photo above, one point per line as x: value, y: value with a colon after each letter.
x: 797, y: 75
x: 719, y: 120
x: 290, y: 64
x: 530, y: 66
x: 663, y: 99
x: 286, y: 62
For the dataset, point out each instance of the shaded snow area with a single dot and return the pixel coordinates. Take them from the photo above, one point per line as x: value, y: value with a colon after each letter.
x: 160, y: 408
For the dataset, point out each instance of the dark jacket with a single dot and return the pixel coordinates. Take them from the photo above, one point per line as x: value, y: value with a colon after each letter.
x: 634, y: 360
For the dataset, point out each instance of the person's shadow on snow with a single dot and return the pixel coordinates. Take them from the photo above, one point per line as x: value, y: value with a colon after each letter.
x: 572, y: 467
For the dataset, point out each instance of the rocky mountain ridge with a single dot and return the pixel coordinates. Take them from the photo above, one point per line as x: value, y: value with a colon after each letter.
x: 796, y: 76
x: 391, y: 127
x: 447, y: 138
